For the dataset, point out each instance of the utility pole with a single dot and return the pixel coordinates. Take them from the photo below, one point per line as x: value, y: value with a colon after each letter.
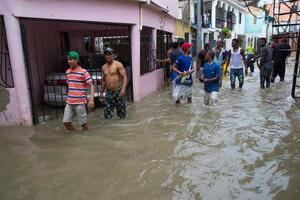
x: 199, y: 24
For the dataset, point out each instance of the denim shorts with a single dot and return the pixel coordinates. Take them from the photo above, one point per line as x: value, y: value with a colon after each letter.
x: 237, y: 73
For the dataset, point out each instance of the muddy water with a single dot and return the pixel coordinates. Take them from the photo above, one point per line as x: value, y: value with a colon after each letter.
x: 247, y: 147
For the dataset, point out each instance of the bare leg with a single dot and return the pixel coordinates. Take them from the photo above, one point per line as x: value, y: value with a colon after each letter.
x: 69, y: 126
x: 85, y: 127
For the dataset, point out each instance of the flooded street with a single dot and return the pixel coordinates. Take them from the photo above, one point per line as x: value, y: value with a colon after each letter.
x: 246, y: 147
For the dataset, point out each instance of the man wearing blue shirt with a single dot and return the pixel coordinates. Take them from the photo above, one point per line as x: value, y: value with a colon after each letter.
x: 183, y: 66
x: 212, y: 74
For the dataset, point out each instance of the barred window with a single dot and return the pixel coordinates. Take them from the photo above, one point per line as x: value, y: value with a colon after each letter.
x: 220, y: 16
x: 147, y: 51
x: 231, y: 20
x: 6, y: 78
x: 163, y: 42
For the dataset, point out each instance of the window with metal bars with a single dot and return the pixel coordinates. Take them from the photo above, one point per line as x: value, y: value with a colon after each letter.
x: 6, y: 77
x: 147, y: 51
x: 231, y: 20
x: 206, y: 14
x: 163, y: 42
x: 220, y: 16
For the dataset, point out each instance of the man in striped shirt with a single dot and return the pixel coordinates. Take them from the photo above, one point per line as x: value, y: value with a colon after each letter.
x: 78, y: 80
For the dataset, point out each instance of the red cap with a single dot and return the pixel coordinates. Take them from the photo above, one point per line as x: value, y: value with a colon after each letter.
x: 185, y: 46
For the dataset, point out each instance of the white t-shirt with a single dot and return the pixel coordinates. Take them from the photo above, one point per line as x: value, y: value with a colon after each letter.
x: 236, y: 59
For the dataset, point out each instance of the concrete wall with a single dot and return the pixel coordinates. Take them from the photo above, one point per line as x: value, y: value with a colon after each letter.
x: 181, y: 29
x: 90, y: 10
x: 240, y: 28
x: 172, y: 6
x: 152, y: 81
x: 18, y: 109
x: 117, y: 11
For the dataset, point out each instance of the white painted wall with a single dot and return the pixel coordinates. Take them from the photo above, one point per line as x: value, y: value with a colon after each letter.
x: 239, y: 29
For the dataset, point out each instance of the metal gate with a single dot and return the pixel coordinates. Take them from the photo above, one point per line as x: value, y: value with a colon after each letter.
x: 286, y: 25
x: 46, y: 44
x: 163, y: 42
x: 6, y: 78
x: 147, y: 53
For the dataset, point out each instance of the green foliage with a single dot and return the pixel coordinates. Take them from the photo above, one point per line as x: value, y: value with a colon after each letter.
x: 225, y: 32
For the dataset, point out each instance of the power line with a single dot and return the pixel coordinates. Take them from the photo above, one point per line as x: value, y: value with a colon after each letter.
x: 251, y: 11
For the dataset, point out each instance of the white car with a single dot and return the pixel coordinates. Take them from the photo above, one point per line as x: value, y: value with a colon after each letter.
x: 55, y: 88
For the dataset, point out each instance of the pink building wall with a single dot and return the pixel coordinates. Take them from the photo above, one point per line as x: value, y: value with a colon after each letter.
x: 11, y: 116
x: 161, y: 21
x: 97, y: 11
x: 18, y: 111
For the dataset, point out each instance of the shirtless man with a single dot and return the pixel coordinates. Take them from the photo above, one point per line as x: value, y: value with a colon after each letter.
x: 114, y: 81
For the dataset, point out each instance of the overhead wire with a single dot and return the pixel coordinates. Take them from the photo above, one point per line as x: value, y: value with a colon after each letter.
x: 250, y: 11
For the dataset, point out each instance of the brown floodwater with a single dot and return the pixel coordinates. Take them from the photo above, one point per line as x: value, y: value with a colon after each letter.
x: 246, y: 147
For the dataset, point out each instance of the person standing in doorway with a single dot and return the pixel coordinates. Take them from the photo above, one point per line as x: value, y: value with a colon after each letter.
x: 176, y: 51
x: 266, y: 65
x: 250, y: 55
x: 212, y: 74
x: 183, y: 66
x: 79, y: 80
x: 236, y: 59
x: 219, y: 57
x: 167, y: 62
x: 114, y: 82
x: 281, y: 52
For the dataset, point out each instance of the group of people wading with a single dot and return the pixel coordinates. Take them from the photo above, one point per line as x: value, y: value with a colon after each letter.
x: 213, y: 64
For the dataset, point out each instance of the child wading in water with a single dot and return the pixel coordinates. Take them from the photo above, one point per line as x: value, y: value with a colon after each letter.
x: 79, y: 80
x: 212, y: 74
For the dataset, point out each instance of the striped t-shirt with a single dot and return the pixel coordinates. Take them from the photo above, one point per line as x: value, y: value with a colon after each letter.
x: 77, y: 80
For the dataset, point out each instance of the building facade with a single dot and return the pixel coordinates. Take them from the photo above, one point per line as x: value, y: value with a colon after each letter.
x: 218, y: 14
x: 186, y: 25
x: 257, y: 27
x: 36, y: 35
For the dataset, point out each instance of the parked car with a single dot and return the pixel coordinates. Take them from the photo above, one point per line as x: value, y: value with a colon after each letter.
x: 56, y: 87
x: 56, y: 91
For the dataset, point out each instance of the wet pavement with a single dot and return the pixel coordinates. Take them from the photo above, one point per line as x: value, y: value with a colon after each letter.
x: 246, y: 147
